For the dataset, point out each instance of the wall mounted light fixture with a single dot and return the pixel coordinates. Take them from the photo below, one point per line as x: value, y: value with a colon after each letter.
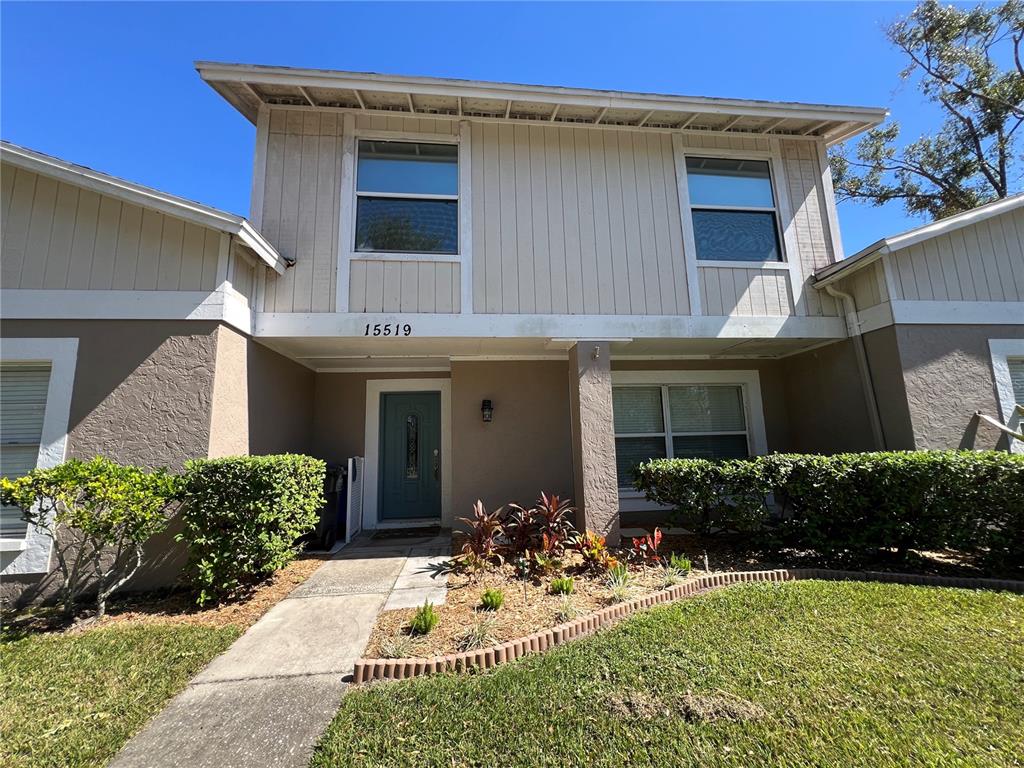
x: 487, y: 410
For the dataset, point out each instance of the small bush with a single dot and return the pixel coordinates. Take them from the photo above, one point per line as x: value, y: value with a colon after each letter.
x: 424, y: 620
x: 645, y: 548
x: 242, y: 516
x: 492, y: 599
x: 595, y: 552
x: 563, y: 585
x: 850, y: 508
x: 479, y: 634
x: 103, y: 512
x: 482, y: 544
x: 680, y: 564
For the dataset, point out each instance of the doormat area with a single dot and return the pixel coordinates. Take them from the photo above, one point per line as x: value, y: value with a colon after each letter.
x: 407, y: 533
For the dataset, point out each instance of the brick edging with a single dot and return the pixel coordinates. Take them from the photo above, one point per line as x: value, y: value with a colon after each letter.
x: 485, y: 658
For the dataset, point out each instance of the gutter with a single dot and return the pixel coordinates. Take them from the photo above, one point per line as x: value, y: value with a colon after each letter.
x: 853, y: 328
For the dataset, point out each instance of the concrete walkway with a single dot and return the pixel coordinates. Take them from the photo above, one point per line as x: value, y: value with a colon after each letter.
x: 265, y: 701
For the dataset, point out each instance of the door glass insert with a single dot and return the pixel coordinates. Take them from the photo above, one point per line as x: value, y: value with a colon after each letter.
x: 412, y: 462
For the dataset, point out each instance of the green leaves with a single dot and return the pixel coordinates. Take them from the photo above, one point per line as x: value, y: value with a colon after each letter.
x: 968, y: 62
x: 850, y: 507
x: 242, y: 516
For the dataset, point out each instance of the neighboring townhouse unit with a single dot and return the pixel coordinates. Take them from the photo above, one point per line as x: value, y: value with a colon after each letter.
x: 483, y: 289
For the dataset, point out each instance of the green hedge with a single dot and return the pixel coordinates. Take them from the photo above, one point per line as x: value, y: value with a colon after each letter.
x: 242, y: 516
x: 850, y: 507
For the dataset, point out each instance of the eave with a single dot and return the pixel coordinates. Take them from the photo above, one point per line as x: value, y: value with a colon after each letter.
x: 249, y: 87
x: 147, y: 197
x: 879, y: 248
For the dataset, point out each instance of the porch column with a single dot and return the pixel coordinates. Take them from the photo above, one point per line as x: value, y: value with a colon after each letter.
x: 593, y: 439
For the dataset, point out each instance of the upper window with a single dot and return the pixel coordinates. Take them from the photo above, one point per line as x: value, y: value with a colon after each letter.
x: 23, y: 389
x: 407, y: 197
x: 705, y: 421
x: 733, y: 209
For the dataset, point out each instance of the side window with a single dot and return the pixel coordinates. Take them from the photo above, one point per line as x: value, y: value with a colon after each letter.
x: 407, y: 197
x: 733, y: 209
x: 705, y: 421
x: 23, y: 389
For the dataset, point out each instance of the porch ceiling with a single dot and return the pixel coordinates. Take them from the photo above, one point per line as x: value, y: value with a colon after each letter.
x: 379, y: 354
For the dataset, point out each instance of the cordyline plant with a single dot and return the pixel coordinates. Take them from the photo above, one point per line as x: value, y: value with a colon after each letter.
x: 484, y: 529
x: 98, y: 514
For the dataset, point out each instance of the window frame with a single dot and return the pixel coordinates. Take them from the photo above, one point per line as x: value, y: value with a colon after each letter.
x: 407, y: 138
x: 748, y: 381
x: 1002, y: 351
x: 776, y: 210
x: 32, y: 552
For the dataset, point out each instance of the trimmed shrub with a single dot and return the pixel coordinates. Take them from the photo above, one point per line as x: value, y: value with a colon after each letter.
x: 492, y: 599
x: 424, y: 620
x: 242, y: 516
x: 850, y: 507
x: 98, y: 514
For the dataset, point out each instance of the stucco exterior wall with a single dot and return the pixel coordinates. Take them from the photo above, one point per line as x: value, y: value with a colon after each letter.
x: 883, y: 356
x: 281, y: 396
x: 526, y: 448
x: 947, y: 372
x: 229, y: 413
x: 825, y: 404
x: 143, y: 389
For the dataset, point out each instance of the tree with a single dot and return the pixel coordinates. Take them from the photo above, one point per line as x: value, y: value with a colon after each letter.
x: 98, y: 514
x: 969, y: 63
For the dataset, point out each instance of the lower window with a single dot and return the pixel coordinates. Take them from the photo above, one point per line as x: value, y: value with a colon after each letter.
x: 706, y: 421
x: 23, y: 389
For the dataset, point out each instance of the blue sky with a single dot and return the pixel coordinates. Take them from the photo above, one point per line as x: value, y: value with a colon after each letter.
x: 112, y: 86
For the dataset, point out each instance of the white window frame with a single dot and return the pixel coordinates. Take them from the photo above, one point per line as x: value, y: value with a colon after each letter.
x: 351, y: 135
x: 774, y: 173
x: 753, y: 407
x: 1002, y: 351
x: 371, y: 462
x: 31, y: 554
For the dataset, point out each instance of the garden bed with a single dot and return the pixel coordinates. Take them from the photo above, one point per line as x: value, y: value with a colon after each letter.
x: 529, y: 606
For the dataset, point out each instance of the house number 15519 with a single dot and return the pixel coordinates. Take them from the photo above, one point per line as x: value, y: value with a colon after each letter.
x: 388, y: 329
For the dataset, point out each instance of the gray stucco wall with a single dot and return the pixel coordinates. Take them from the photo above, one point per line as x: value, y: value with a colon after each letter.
x: 826, y: 408
x: 883, y: 355
x: 947, y: 373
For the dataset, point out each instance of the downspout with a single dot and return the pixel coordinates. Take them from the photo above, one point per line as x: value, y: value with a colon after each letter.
x: 853, y: 328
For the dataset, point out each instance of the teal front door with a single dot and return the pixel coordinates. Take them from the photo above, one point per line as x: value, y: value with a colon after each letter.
x: 410, y: 455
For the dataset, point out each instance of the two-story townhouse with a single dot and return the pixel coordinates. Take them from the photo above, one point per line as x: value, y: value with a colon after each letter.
x: 482, y: 289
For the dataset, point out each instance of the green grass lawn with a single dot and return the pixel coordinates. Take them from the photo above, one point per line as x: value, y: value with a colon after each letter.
x: 74, y: 699
x: 801, y: 674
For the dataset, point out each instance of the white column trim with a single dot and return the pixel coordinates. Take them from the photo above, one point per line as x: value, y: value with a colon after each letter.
x: 33, y: 552
x: 259, y: 167
x: 466, y: 216
x: 346, y: 210
x: 830, y: 202
x: 789, y: 240
x: 689, y: 241
x: 1001, y: 350
x: 371, y: 465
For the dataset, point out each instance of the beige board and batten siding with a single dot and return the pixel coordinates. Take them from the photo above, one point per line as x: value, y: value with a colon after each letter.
x: 62, y: 236
x: 567, y: 220
x: 980, y: 262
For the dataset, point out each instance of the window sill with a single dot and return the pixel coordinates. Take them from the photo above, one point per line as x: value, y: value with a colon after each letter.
x: 744, y: 264
x: 13, y: 545
x: 448, y: 258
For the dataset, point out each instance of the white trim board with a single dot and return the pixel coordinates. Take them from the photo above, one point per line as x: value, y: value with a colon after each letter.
x: 958, y: 312
x: 33, y: 552
x: 371, y: 465
x: 602, y: 327
x: 1001, y: 350
x: 224, y: 304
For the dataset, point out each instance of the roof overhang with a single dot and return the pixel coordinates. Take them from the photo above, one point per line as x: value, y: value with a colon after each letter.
x: 879, y: 248
x: 147, y: 197
x: 248, y: 87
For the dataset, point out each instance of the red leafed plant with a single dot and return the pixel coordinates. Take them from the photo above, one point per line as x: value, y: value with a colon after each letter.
x: 553, y: 520
x: 484, y: 530
x: 645, y: 548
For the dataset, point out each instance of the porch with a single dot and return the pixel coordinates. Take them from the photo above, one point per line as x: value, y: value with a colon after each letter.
x: 442, y: 422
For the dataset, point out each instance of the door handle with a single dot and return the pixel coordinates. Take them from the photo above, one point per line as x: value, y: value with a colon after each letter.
x: 436, y: 463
